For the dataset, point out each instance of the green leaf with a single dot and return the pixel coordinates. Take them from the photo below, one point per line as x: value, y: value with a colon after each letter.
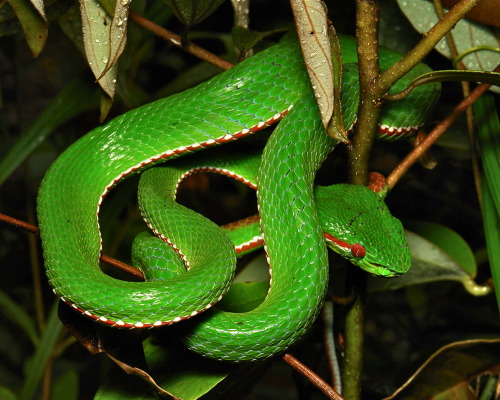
x: 19, y: 316
x: 395, y: 32
x: 108, y: 5
x: 191, y: 12
x: 489, y: 388
x: 488, y: 128
x: 9, y: 22
x: 245, y: 39
x: 466, y: 35
x: 462, y: 391
x: 34, y: 25
x: 492, y: 231
x: 447, y: 240
x: 71, y: 24
x: 76, y: 97
x: 178, y: 371
x: 105, y: 105
x: 244, y: 296
x: 488, y: 125
x: 256, y: 270
x: 7, y: 394
x: 452, y: 364
x: 66, y: 386
x: 311, y: 16
x: 118, y: 32
x: 40, y: 8
x: 42, y: 355
x: 104, y: 39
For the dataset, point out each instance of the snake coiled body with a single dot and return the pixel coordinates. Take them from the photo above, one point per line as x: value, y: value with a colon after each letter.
x: 239, y: 102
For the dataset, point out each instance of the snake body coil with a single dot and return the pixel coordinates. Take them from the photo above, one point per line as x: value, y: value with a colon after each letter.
x: 239, y: 102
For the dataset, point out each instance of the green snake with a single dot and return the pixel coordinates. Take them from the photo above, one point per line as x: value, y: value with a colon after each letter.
x: 253, y: 95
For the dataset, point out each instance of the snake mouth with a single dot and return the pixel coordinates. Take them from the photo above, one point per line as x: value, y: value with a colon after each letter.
x: 379, y: 270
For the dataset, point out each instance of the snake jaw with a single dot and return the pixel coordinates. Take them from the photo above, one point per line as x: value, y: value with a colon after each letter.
x: 378, y: 270
x: 374, y: 268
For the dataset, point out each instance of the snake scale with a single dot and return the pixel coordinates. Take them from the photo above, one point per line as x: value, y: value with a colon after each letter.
x: 270, y: 86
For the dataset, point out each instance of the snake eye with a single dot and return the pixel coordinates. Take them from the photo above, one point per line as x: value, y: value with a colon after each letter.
x: 358, y: 250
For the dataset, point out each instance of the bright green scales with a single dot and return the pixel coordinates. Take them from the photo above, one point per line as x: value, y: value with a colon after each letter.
x: 250, y: 96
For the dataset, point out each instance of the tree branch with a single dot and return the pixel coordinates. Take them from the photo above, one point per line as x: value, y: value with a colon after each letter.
x: 418, y: 151
x: 392, y: 74
x: 171, y: 37
x: 104, y: 258
x: 315, y: 379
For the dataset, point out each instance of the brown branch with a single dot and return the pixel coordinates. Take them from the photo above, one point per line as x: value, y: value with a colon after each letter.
x: 171, y: 37
x: 19, y: 224
x: 392, y: 74
x: 104, y: 258
x: 411, y: 158
x: 36, y: 274
x: 475, y: 163
x: 122, y: 266
x: 313, y: 378
x: 367, y: 24
x: 367, y: 20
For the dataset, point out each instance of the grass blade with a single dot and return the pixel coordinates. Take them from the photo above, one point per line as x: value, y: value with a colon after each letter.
x: 76, y: 97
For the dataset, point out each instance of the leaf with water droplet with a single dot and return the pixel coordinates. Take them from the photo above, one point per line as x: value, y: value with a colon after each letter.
x: 191, y: 12
x: 118, y: 32
x: 40, y: 7
x: 245, y: 39
x: 466, y: 34
x: 241, y: 12
x: 312, y: 28
x: 96, y: 32
x: 33, y: 23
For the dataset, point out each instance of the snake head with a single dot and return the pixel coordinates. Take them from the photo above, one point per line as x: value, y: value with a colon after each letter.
x: 358, y: 225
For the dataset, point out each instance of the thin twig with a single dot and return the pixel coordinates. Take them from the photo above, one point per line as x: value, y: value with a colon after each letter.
x: 47, y: 380
x: 104, y: 258
x: 313, y: 378
x: 367, y: 22
x: 329, y: 343
x: 36, y: 275
x: 122, y: 266
x: 19, y: 224
x: 476, y: 169
x: 171, y: 37
x: 418, y: 151
x: 392, y: 74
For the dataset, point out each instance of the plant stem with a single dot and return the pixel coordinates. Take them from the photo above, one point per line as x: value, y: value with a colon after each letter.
x: 367, y: 22
x: 373, y: 86
x: 104, y: 258
x: 392, y: 74
x: 439, y: 129
x: 354, y: 342
x: 314, y: 378
x: 171, y: 37
x: 37, y: 280
x: 368, y: 112
x: 488, y: 391
x: 475, y: 163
